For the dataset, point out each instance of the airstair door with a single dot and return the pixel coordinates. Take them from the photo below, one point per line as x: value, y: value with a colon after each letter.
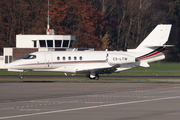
x: 48, y: 60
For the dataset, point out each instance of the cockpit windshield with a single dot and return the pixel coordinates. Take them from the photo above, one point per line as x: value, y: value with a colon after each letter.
x: 30, y: 57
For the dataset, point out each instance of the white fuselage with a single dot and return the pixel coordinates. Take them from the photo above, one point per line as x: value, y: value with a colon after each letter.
x: 71, y: 61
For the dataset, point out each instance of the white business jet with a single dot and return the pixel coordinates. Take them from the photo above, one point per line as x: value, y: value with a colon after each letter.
x: 93, y: 63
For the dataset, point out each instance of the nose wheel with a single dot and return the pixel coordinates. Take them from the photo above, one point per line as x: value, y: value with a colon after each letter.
x: 21, y: 76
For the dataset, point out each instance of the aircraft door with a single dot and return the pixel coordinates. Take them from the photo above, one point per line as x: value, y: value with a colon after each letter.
x: 48, y: 60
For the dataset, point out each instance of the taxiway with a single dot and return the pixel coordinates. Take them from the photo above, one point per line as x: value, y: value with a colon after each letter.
x: 98, y: 101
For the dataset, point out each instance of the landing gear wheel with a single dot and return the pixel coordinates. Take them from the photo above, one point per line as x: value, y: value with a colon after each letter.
x: 89, y: 77
x: 96, y: 77
x: 21, y: 77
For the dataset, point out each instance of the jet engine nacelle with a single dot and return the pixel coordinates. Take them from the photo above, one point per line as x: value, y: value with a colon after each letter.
x: 114, y: 59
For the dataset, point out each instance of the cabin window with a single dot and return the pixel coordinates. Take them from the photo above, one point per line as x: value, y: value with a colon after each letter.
x: 69, y: 58
x: 80, y: 58
x: 64, y: 58
x: 42, y: 43
x: 65, y: 43
x: 58, y: 58
x: 75, y: 58
x: 30, y: 57
x: 50, y: 43
x: 58, y: 43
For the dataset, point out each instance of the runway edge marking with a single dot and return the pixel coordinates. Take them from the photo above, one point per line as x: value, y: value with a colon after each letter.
x: 90, y: 107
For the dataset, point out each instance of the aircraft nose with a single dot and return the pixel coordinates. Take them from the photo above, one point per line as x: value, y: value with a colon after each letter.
x: 8, y: 66
x: 12, y: 67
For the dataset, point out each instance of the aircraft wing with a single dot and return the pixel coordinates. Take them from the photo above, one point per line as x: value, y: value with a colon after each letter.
x: 99, y: 70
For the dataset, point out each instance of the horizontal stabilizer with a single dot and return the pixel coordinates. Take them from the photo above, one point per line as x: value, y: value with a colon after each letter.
x: 157, y: 46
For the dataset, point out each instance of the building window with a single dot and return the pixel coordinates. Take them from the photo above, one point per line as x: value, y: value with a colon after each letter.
x: 80, y: 58
x: 6, y: 59
x: 64, y: 58
x: 35, y: 44
x: 72, y: 43
x: 42, y: 43
x: 65, y: 43
x: 58, y: 43
x: 75, y: 58
x: 10, y: 59
x: 50, y: 43
x: 58, y: 58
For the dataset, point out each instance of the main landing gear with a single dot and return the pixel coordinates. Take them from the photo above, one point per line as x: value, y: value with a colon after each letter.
x: 95, y: 77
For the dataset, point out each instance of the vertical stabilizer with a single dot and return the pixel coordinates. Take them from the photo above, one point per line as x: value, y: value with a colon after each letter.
x: 158, y: 37
x: 152, y: 47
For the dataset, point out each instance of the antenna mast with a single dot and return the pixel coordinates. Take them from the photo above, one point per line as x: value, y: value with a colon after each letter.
x: 48, y: 20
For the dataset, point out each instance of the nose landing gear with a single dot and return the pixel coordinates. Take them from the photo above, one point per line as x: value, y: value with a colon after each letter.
x: 21, y: 76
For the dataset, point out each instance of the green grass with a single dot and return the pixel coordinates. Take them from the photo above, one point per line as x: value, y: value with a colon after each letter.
x: 155, y: 69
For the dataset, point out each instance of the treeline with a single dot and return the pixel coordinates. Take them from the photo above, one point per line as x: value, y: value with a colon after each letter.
x: 99, y: 24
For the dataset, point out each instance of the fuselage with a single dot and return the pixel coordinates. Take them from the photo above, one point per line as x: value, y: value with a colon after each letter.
x: 70, y: 61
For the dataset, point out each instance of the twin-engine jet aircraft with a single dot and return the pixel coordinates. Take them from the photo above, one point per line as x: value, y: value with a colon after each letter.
x: 93, y: 63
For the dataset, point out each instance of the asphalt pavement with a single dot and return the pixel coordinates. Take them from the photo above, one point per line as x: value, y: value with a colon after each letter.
x: 87, y: 101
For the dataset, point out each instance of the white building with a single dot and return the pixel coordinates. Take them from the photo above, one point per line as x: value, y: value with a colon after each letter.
x: 26, y: 44
x: 45, y: 42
